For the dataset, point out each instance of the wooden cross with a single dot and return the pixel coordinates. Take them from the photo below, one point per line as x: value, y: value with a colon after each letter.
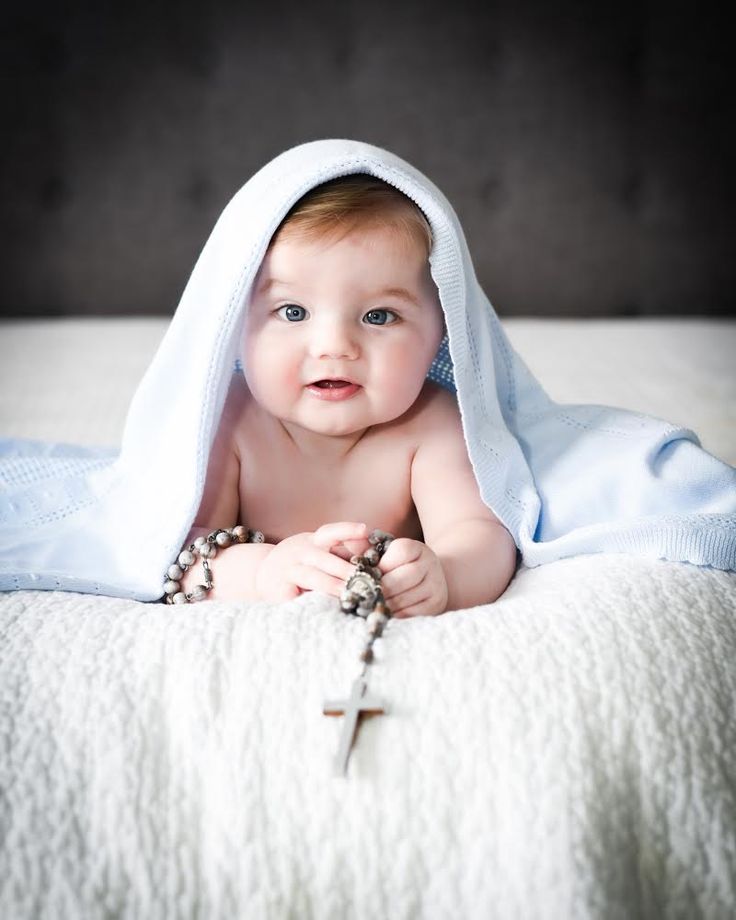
x: 353, y: 708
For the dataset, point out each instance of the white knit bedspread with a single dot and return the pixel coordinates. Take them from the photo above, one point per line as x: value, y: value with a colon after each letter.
x: 568, y: 752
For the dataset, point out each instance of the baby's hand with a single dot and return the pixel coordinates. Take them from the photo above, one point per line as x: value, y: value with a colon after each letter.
x: 304, y: 563
x: 413, y: 580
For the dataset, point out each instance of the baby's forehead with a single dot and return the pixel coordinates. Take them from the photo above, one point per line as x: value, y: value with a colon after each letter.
x: 362, y: 243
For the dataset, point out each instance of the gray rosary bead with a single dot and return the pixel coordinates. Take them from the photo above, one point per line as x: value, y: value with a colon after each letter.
x: 375, y: 621
x: 372, y: 555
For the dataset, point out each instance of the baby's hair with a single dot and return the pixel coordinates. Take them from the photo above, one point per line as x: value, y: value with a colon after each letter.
x: 335, y: 208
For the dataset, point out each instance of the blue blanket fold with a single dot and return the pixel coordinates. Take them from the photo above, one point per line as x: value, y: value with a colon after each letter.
x: 564, y: 479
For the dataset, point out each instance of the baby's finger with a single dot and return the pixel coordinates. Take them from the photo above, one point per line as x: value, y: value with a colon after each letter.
x: 405, y: 578
x: 408, y: 598
x: 328, y: 535
x: 401, y: 551
x: 328, y: 563
x: 415, y: 610
x: 349, y: 548
x: 311, y: 579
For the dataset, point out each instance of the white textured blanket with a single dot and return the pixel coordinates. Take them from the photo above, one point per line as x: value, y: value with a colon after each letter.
x: 566, y: 752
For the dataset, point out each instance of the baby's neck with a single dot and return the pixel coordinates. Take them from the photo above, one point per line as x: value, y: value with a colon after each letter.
x: 312, y: 446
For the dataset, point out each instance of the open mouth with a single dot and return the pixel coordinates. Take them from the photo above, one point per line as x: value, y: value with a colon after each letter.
x: 333, y: 390
x: 331, y: 384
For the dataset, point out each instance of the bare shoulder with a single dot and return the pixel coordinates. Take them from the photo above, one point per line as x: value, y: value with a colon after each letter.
x: 237, y: 418
x: 221, y: 498
x: 436, y: 412
x: 236, y: 402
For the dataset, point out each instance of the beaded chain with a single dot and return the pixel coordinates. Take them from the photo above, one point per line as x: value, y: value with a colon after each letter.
x: 206, y: 548
x: 362, y: 596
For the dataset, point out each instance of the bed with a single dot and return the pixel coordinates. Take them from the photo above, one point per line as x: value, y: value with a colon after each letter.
x: 566, y: 752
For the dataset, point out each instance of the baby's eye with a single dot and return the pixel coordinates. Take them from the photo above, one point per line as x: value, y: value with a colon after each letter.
x: 292, y: 313
x: 380, y: 317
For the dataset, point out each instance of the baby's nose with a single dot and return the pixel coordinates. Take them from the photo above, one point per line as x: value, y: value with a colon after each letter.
x: 334, y: 339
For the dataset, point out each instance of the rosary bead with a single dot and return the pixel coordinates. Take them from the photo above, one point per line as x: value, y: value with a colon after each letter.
x: 205, y: 548
x: 372, y: 556
x: 199, y: 592
x: 375, y: 622
x: 379, y: 536
x: 367, y: 655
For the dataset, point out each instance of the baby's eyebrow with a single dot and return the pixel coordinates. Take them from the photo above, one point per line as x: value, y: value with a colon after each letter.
x: 272, y: 282
x: 399, y: 292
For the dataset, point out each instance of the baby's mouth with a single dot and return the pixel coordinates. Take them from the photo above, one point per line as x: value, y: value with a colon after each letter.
x: 331, y: 384
x: 333, y: 391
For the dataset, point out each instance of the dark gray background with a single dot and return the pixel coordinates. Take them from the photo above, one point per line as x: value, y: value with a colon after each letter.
x: 584, y: 146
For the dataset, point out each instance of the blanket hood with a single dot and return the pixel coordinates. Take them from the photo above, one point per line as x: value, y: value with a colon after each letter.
x: 564, y: 479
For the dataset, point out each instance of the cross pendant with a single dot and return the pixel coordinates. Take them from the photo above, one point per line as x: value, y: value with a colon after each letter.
x: 357, y: 704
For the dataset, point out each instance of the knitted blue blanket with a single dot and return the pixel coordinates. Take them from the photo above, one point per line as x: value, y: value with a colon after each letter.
x: 564, y: 479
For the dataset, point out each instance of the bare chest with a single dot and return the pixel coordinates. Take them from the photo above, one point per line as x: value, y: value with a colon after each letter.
x: 281, y: 498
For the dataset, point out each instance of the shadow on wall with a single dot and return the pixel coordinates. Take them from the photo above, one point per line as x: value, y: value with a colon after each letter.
x: 582, y: 148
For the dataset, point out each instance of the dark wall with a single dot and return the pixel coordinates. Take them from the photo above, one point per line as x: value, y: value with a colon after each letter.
x: 584, y: 146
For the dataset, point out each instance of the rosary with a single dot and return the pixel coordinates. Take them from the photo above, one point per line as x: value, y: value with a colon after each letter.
x: 362, y: 596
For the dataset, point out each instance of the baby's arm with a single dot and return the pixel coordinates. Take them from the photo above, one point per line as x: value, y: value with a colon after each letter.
x: 233, y: 570
x: 476, y: 553
x: 261, y: 571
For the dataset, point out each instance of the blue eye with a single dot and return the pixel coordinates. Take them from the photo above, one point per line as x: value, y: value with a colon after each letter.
x: 292, y: 313
x: 380, y: 317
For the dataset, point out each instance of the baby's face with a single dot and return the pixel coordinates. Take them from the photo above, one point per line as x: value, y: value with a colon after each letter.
x: 362, y: 312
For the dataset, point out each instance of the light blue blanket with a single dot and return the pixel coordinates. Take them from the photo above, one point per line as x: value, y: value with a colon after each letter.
x: 564, y: 479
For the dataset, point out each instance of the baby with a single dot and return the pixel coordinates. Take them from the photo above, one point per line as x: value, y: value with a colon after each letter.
x: 333, y: 428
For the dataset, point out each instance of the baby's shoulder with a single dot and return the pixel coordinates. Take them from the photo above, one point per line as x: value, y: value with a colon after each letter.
x: 435, y: 413
x: 437, y: 406
x: 238, y: 404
